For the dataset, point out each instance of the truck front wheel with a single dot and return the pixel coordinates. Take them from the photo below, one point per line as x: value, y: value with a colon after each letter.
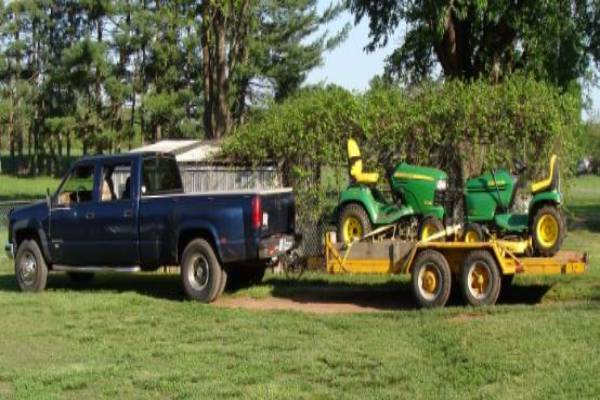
x: 31, y: 269
x: 201, y: 272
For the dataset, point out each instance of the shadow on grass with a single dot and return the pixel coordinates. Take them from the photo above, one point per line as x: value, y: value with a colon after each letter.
x: 584, y: 216
x: 523, y: 294
x: 160, y: 286
x: 391, y: 295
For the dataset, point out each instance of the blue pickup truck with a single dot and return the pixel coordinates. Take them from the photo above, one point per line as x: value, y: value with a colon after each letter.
x: 130, y: 213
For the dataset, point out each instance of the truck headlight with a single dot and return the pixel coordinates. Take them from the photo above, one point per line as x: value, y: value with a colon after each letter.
x: 442, y: 185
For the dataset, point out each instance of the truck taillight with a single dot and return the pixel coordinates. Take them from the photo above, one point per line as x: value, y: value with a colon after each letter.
x: 256, y: 213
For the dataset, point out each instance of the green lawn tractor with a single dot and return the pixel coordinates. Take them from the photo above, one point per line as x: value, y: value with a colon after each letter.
x: 416, y: 207
x: 489, y: 199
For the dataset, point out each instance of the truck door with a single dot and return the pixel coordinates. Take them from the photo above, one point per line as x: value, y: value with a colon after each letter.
x: 71, y: 218
x: 116, y: 236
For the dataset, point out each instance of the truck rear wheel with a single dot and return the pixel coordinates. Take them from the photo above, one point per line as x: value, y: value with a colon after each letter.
x: 480, y: 278
x: 201, y: 272
x: 31, y: 269
x: 431, y: 279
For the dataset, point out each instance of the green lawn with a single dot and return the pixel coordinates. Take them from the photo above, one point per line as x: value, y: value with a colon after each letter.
x: 134, y: 336
x: 13, y: 188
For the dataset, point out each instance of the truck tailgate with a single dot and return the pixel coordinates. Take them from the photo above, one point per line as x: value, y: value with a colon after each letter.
x: 279, y: 212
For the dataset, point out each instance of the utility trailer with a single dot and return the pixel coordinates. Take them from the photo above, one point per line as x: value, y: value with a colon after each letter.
x: 480, y: 268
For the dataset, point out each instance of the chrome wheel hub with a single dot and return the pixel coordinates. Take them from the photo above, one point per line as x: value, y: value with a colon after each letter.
x: 199, y: 273
x: 28, y: 269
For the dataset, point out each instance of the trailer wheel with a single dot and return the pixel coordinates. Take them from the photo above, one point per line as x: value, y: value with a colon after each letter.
x: 431, y: 279
x: 201, y: 272
x: 480, y: 278
x: 31, y: 269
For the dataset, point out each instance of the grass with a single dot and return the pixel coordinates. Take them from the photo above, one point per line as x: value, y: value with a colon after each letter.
x: 134, y: 336
x: 13, y: 188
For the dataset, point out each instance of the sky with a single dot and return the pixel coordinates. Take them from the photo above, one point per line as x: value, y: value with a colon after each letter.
x: 351, y: 67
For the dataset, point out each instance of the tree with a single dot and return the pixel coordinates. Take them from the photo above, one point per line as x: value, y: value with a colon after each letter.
x: 554, y: 40
x: 245, y: 44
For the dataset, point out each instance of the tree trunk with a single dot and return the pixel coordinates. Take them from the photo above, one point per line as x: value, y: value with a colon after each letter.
x: 223, y: 115
x: 205, y: 38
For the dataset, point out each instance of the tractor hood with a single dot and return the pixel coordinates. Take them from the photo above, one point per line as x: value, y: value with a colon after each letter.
x: 413, y: 172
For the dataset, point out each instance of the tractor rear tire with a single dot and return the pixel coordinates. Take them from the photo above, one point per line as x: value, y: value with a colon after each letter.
x: 480, y: 279
x: 431, y: 279
x: 429, y: 226
x: 353, y: 223
x: 548, y: 230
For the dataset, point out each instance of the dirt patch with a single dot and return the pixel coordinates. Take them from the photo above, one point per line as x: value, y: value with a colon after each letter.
x: 273, y: 303
x: 466, y: 317
x: 326, y: 302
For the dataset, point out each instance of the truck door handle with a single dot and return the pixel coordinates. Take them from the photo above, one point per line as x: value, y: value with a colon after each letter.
x: 90, y: 215
x: 128, y: 214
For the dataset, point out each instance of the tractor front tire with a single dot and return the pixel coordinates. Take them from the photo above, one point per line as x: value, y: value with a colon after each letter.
x: 548, y: 230
x: 430, y: 226
x: 473, y: 233
x: 353, y: 223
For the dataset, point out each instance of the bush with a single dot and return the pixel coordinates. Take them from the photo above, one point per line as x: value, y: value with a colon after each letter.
x: 459, y: 127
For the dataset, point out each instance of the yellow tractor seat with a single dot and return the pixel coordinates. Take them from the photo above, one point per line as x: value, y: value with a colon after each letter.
x: 551, y: 182
x: 355, y: 166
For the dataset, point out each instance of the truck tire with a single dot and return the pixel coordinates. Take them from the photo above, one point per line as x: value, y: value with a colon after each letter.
x: 473, y: 233
x: 31, y: 269
x: 480, y: 278
x: 353, y: 223
x: 548, y: 230
x: 201, y: 272
x: 81, y: 278
x: 431, y: 279
x: 429, y: 226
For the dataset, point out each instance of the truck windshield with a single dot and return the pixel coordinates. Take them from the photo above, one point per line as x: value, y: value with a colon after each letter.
x: 161, y: 175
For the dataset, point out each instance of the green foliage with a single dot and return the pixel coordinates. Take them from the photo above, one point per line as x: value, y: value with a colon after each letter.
x: 461, y: 128
x: 99, y: 75
x: 553, y: 40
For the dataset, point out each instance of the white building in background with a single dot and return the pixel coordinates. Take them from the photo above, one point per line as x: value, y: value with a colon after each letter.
x: 203, y: 170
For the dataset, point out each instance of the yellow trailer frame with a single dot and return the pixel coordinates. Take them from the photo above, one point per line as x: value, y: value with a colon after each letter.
x: 396, y: 257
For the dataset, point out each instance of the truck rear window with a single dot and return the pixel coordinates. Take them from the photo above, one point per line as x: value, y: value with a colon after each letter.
x: 161, y: 176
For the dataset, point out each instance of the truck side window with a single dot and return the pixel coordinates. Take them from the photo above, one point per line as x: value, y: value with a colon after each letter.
x: 78, y: 187
x: 161, y: 175
x: 116, y: 182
